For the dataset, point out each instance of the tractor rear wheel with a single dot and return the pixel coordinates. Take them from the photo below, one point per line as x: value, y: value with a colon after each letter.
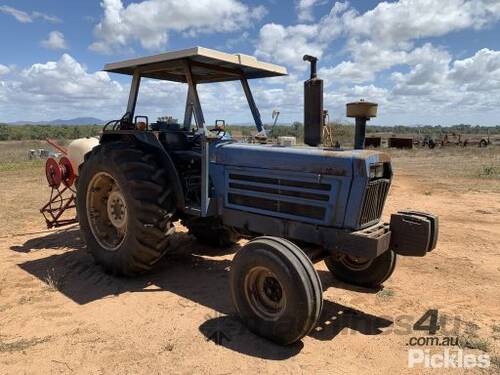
x: 365, y: 272
x: 212, y: 232
x: 275, y: 289
x: 125, y: 207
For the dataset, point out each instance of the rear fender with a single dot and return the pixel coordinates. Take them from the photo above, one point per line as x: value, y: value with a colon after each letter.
x: 147, y: 141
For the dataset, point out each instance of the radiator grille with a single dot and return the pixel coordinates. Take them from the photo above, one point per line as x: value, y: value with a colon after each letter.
x: 279, y: 196
x: 373, y: 202
x: 296, y: 209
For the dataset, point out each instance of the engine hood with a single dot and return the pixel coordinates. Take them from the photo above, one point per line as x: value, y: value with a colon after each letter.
x: 298, y: 159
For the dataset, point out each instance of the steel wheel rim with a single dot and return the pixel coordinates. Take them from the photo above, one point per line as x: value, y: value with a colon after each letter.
x: 356, y: 263
x: 106, y: 211
x: 264, y: 293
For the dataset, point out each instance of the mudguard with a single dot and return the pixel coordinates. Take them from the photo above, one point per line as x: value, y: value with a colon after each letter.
x: 149, y: 142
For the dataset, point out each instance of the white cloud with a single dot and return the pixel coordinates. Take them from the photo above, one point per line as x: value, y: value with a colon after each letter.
x: 480, y: 72
x: 396, y: 23
x: 435, y: 83
x: 287, y: 44
x: 55, y: 41
x: 65, y: 89
x: 4, y: 69
x: 56, y: 89
x: 25, y: 17
x: 149, y: 22
x: 66, y: 80
x: 425, y: 78
x: 305, y: 9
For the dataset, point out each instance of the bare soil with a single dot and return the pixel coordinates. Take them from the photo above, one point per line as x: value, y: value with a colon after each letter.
x: 60, y: 313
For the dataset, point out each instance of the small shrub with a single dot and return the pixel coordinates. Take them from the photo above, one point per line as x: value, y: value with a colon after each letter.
x: 487, y: 171
x: 474, y: 343
x: 386, y: 293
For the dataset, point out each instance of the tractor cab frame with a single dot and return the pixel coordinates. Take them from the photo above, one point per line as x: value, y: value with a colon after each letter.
x: 193, y: 66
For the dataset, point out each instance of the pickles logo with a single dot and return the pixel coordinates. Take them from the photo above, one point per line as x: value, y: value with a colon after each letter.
x: 451, y: 357
x: 448, y: 359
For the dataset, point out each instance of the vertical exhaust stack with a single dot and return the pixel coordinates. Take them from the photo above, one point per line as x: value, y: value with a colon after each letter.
x: 313, y: 106
x: 362, y: 111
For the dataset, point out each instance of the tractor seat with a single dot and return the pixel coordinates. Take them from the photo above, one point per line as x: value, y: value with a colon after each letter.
x: 187, y: 156
x: 176, y: 140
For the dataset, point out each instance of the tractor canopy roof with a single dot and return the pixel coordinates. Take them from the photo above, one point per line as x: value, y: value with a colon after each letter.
x: 206, y: 65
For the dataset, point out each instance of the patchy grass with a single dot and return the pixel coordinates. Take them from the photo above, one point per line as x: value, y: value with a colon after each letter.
x: 472, y: 342
x: 20, y: 345
x: 471, y: 329
x: 386, y: 293
x: 22, y: 165
x: 460, y: 167
x: 168, y: 347
x: 488, y: 171
x: 14, y: 154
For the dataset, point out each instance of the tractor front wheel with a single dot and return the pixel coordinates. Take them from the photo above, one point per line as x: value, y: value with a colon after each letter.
x: 275, y: 289
x: 365, y: 272
x: 125, y: 208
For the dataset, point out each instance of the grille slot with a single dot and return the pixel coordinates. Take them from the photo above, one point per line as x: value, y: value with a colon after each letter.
x: 373, y: 202
x: 290, y: 208
x: 279, y: 196
x: 281, y: 182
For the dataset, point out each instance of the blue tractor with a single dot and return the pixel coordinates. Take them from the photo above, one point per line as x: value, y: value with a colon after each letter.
x: 297, y: 205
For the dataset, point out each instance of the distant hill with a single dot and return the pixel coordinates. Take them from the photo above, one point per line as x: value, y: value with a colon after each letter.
x: 73, y: 121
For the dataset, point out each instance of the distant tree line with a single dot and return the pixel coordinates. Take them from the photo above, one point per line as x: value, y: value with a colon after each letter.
x: 342, y: 132
x: 31, y: 132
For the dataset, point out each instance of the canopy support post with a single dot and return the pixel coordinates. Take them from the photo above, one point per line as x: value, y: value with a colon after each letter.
x: 134, y: 92
x: 252, y: 105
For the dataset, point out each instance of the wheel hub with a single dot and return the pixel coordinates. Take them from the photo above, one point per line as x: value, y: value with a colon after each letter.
x: 264, y: 293
x: 356, y: 263
x: 116, y: 208
x: 272, y: 289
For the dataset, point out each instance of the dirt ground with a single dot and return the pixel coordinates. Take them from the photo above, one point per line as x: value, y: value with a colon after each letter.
x: 60, y: 313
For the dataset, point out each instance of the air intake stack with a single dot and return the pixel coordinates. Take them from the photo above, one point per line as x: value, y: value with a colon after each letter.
x: 313, y: 106
x: 362, y: 111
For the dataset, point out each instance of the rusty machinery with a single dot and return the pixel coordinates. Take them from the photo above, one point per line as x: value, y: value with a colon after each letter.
x: 61, y: 179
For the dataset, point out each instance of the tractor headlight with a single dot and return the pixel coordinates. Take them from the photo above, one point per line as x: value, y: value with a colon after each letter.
x: 376, y: 171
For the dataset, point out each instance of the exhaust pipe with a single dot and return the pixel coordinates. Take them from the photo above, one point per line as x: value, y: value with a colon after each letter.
x: 313, y: 106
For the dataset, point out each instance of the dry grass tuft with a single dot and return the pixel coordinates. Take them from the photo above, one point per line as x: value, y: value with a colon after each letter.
x: 20, y: 345
x: 53, y: 282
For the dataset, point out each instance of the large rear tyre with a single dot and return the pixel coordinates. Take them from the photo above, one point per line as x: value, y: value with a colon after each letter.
x: 125, y: 207
x: 365, y: 272
x: 275, y: 289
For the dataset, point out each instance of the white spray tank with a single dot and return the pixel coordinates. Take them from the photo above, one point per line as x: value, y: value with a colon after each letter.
x: 77, y: 150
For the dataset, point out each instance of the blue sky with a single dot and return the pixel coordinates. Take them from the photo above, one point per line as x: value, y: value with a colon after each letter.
x: 423, y: 61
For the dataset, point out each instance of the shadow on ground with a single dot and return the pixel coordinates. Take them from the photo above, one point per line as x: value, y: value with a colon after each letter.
x: 230, y: 332
x: 188, y: 273
x: 62, y: 239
